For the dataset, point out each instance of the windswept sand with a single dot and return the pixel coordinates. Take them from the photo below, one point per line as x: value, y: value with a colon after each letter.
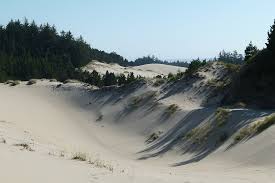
x: 56, y: 123
x: 147, y: 70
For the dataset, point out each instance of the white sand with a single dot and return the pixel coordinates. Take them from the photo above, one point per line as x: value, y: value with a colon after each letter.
x: 147, y: 70
x: 56, y: 121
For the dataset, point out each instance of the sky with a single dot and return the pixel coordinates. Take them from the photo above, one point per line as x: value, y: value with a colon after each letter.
x: 168, y: 29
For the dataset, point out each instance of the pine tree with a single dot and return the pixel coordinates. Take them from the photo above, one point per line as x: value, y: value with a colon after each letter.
x: 271, y: 39
x: 250, y: 51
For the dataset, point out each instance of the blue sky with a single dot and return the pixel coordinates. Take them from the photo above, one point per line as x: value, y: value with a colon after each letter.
x: 168, y: 29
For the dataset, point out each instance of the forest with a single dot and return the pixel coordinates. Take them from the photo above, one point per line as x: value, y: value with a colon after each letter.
x: 31, y: 51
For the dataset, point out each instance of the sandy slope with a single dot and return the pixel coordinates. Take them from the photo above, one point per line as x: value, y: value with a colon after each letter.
x: 147, y: 70
x: 56, y: 123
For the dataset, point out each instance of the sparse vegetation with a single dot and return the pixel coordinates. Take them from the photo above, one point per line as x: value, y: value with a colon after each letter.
x: 171, y: 109
x: 24, y: 146
x: 199, y: 134
x: 194, y: 66
x: 12, y: 82
x: 101, y: 164
x: 136, y: 101
x: 31, y: 82
x: 221, y: 116
x: 255, y: 128
x: 231, y: 67
x: 174, y: 77
x: 158, y: 82
x: 79, y: 156
x: 154, y: 136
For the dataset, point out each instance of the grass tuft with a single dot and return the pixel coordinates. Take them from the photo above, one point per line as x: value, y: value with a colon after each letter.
x: 24, y: 146
x: 255, y: 128
x: 221, y: 116
x: 171, y: 109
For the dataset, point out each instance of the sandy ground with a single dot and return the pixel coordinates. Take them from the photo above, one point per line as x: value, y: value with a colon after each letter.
x: 57, y: 123
x: 147, y: 70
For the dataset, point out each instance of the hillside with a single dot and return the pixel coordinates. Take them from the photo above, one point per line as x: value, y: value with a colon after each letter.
x: 147, y: 70
x: 138, y: 132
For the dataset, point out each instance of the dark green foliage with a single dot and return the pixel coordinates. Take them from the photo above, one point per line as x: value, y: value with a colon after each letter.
x: 194, y: 66
x: 271, y: 39
x: 255, y: 82
x: 230, y: 57
x: 250, y: 51
x: 174, y: 77
x: 155, y: 60
x: 109, y: 79
x: 30, y: 51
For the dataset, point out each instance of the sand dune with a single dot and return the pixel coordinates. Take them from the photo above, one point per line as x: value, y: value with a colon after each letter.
x: 42, y: 127
x: 147, y: 70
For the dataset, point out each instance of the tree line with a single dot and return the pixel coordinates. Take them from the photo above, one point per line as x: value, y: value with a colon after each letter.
x: 31, y: 51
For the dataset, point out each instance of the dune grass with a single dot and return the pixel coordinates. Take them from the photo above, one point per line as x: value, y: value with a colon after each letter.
x: 255, y: 128
x: 199, y: 134
x: 221, y: 116
x: 159, y: 82
x: 24, y: 146
x: 171, y: 109
x: 79, y: 156
x: 154, y: 136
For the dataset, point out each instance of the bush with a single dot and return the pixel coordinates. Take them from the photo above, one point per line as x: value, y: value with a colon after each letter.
x: 221, y: 116
x: 159, y: 82
x: 79, y: 156
x: 13, y: 83
x: 154, y: 136
x: 31, y: 82
x: 171, y: 109
x: 194, y: 66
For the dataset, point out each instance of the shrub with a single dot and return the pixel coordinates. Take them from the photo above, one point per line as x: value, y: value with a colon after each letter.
x: 79, y: 156
x: 154, y: 136
x: 24, y: 146
x: 171, y: 109
x: 260, y: 126
x: 12, y: 83
x: 221, y: 116
x: 199, y: 134
x: 135, y: 101
x: 31, y: 82
x: 159, y: 82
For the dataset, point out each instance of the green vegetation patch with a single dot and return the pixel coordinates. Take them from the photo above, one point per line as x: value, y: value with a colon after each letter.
x: 255, y: 128
x: 221, y: 116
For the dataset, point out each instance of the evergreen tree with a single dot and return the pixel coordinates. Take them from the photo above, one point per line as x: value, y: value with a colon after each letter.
x: 271, y: 39
x: 121, y: 79
x: 250, y: 51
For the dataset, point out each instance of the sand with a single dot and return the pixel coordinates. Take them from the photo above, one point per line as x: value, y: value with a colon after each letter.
x: 147, y: 70
x: 58, y: 123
